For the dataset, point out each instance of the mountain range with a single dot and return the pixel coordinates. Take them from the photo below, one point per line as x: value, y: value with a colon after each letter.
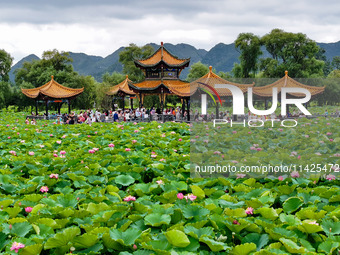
x: 222, y: 57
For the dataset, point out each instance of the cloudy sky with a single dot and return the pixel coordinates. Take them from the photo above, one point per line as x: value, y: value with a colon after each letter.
x: 99, y: 27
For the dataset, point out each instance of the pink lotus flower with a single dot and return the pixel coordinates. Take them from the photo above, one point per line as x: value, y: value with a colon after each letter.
x: 331, y: 140
x: 298, y: 157
x: 280, y: 129
x: 134, y: 247
x: 153, y: 156
x: 135, y: 123
x: 234, y: 161
x: 9, y: 137
x: 96, y: 149
x: 249, y: 132
x: 252, y: 148
x: 129, y: 198
x: 295, y: 174
x: 58, y: 142
x: 22, y: 141
x: 88, y: 136
x: 321, y: 142
x: 63, y: 152
x: 16, y: 246
x: 235, y: 222
x: 42, y: 146
x: 318, y: 153
x: 180, y: 196
x: 259, y: 149
x: 239, y: 176
x: 217, y: 152
x: 192, y: 197
x: 160, y: 182
x: 28, y: 209
x: 163, y: 135
x: 293, y: 153
x: 162, y: 159
x: 13, y: 153
x: 307, y: 136
x: 96, y: 132
x: 134, y: 141
x: 175, y: 150
x: 31, y: 153
x: 111, y: 145
x: 234, y: 132
x: 159, y: 126
x: 127, y: 149
x: 64, y: 136
x: 280, y: 178
x: 329, y: 133
x: 51, y: 135
x: 330, y: 177
x: 250, y: 210
x: 91, y: 151
x: 56, y: 176
x: 180, y: 139
x: 55, y: 155
x: 313, y: 222
x: 136, y: 131
x: 44, y: 189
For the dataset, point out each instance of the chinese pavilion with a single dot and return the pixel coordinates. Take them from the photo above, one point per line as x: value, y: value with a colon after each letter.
x: 53, y: 92
x: 161, y: 70
x: 265, y: 92
x: 122, y: 90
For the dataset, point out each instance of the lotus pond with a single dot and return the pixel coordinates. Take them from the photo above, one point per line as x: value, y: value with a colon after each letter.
x: 126, y: 189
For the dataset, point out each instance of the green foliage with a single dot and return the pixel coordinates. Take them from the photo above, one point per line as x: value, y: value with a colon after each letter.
x: 5, y: 65
x: 294, y: 52
x: 197, y: 70
x: 249, y: 46
x: 336, y: 62
x: 131, y: 53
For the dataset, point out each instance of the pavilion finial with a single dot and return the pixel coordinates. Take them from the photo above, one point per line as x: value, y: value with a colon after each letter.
x: 52, y: 77
x: 162, y: 44
x: 286, y: 73
x: 126, y: 76
x: 210, y: 68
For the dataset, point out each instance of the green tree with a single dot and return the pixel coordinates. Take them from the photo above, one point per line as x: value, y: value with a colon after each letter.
x: 131, y: 53
x: 249, y: 46
x: 196, y: 71
x: 294, y: 52
x: 5, y: 65
x: 336, y: 62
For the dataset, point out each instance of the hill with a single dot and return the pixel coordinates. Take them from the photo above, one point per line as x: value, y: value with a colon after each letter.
x: 222, y: 57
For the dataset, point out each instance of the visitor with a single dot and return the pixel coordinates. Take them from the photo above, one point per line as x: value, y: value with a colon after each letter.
x: 27, y: 121
x: 115, y: 117
x: 33, y: 122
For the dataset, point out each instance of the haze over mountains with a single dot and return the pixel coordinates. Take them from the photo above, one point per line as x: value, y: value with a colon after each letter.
x: 222, y: 57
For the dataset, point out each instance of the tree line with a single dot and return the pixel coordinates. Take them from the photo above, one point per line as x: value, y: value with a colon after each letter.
x: 294, y: 52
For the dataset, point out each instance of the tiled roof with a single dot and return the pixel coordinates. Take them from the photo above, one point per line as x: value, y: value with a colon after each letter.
x: 162, y: 54
x: 121, y: 87
x: 212, y: 79
x: 176, y: 87
x: 286, y: 81
x: 52, y: 89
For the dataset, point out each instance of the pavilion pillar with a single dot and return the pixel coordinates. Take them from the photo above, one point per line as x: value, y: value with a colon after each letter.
x: 131, y: 103
x: 123, y: 103
x: 162, y: 100
x: 183, y: 108
x: 36, y: 107
x: 46, y: 102
x: 140, y: 100
x: 69, y: 106
x: 265, y: 104
x: 188, y: 108
x: 113, y: 103
x: 59, y: 106
x: 217, y: 111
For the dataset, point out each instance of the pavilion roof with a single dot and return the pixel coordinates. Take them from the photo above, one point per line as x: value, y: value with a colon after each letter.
x: 286, y: 81
x: 212, y: 79
x: 52, y: 89
x: 175, y: 86
x: 162, y: 54
x: 122, y: 87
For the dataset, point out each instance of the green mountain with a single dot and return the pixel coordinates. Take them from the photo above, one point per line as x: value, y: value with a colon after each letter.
x: 222, y: 57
